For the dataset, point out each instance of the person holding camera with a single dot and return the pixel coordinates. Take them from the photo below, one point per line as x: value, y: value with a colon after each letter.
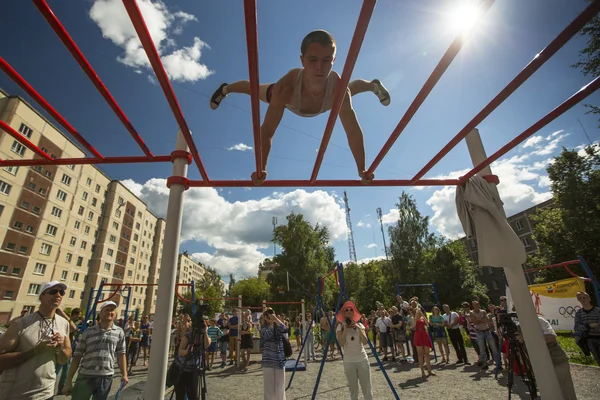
x: 352, y: 337
x: 189, y: 360
x: 273, y: 357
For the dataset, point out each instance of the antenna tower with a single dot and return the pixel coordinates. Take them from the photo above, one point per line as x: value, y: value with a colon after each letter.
x: 350, y: 232
x: 379, y: 216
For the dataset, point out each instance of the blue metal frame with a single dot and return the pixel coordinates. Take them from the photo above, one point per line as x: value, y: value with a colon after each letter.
x: 590, y: 275
x: 343, y: 297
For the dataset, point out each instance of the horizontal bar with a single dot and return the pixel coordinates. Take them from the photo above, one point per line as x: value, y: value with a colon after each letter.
x: 79, y: 161
x: 141, y: 284
x: 323, y: 183
x: 563, y: 264
x: 219, y: 298
x: 551, y: 116
x: 342, y: 86
x: 433, y: 79
x: 539, y: 60
x: 252, y: 47
x: 161, y: 75
x: 283, y: 302
x: 253, y: 307
x: 30, y: 145
x: 64, y: 36
x: 414, y: 285
x: 18, y: 79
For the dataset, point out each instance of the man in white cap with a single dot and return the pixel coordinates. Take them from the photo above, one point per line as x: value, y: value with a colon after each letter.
x: 95, y: 356
x: 31, y: 348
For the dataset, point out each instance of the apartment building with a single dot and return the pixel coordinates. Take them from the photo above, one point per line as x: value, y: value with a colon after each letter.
x: 70, y: 223
x: 523, y: 225
x: 188, y: 270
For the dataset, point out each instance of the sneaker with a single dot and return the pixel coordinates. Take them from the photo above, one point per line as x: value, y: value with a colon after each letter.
x: 485, y: 367
x: 217, y: 97
x: 222, y: 365
x: 381, y: 92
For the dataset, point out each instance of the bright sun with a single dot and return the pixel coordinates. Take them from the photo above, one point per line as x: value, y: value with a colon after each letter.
x: 464, y: 16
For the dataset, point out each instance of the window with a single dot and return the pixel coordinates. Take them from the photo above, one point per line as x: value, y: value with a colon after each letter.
x: 68, y: 257
x: 94, y: 202
x: 45, y: 249
x: 115, y: 225
x: 71, y: 294
x: 97, y: 188
x: 39, y: 269
x: 36, y: 210
x: 29, y: 229
x: 31, y: 186
x: 121, y: 201
x: 86, y: 231
x: 90, y: 216
x: 84, y: 196
x: 519, y: 225
x: 75, y: 277
x: 77, y: 225
x: 107, y: 266
x: 34, y: 289
x: 525, y: 242
x: 48, y: 174
x: 88, y: 181
x: 42, y: 192
x: 11, y: 170
x: 5, y: 188
x: 23, y: 249
x: 83, y: 244
x: 494, y: 285
x: 10, y: 246
x: 56, y: 212
x: 112, y: 238
x: 118, y: 213
x: 8, y: 294
x: 18, y: 225
x: 62, y: 196
x: 51, y: 230
x: 18, y: 148
x: 64, y: 275
x: 16, y: 271
x: 73, y: 241
x: 25, y: 131
x: 79, y: 261
x: 3, y: 269
x: 109, y: 252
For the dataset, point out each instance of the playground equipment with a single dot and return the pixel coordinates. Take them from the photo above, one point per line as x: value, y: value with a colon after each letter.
x: 186, y: 152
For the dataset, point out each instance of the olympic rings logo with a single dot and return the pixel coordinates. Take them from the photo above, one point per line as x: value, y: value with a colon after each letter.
x: 568, y: 311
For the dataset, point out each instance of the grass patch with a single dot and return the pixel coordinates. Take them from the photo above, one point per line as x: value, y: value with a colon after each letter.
x: 567, y: 342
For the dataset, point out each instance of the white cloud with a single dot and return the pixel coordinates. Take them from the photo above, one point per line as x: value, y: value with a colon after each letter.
x: 556, y: 137
x: 362, y: 224
x: 391, y: 217
x: 371, y: 245
x: 544, y: 181
x: 240, y: 147
x: 365, y: 260
x: 238, y: 231
x: 181, y: 64
x: 532, y: 141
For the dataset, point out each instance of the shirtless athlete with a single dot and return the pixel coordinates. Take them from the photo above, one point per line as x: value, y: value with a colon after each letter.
x: 308, y: 92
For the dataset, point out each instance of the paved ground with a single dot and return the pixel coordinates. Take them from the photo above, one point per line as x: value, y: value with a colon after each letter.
x: 451, y: 382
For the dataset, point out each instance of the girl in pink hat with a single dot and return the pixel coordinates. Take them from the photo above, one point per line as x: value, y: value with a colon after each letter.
x: 352, y: 337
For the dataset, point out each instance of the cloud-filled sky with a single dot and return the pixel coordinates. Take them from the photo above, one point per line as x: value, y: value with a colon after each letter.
x: 230, y: 229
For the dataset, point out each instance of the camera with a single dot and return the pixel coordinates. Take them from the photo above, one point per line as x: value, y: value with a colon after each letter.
x: 508, y: 322
x: 199, y: 318
x: 348, y: 321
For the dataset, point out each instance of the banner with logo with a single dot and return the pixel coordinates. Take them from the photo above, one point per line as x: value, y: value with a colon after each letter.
x: 556, y: 301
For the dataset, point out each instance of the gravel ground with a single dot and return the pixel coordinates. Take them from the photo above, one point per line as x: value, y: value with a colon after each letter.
x: 452, y: 382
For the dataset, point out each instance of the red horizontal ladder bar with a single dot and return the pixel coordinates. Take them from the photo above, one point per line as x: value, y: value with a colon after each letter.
x: 252, y: 46
x: 562, y: 264
x: 18, y: 79
x: 342, y: 86
x: 30, y: 145
x: 551, y: 116
x: 325, y: 183
x: 64, y: 36
x: 433, y: 79
x: 571, y: 30
x: 161, y: 75
x: 78, y: 161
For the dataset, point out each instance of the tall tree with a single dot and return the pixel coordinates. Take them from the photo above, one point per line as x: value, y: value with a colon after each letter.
x: 305, y: 252
x: 211, y: 278
x: 408, y: 239
x: 573, y: 227
x: 252, y: 290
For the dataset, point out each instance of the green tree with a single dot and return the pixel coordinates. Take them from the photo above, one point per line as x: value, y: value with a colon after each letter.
x: 572, y: 228
x: 305, y: 253
x: 211, y: 279
x: 408, y: 240
x: 215, y: 306
x: 252, y: 290
x: 373, y: 288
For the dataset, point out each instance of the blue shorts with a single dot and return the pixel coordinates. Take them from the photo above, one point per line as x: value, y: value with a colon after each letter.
x: 212, y: 348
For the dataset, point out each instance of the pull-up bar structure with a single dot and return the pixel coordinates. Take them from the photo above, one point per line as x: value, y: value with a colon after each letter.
x: 186, y: 151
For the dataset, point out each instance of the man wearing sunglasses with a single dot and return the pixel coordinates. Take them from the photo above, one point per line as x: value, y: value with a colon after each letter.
x: 31, y: 348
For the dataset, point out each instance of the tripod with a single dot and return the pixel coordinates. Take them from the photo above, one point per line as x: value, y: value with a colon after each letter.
x: 518, y: 352
x: 193, y: 366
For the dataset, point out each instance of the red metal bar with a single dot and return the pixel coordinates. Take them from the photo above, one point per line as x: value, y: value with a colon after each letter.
x: 77, y: 161
x: 283, y: 302
x: 18, y: 79
x: 218, y: 298
x: 113, y: 294
x: 8, y: 129
x: 323, y: 183
x: 539, y: 60
x: 252, y: 46
x: 161, y: 75
x: 563, y: 264
x: 572, y: 273
x: 551, y: 116
x: 340, y: 92
x: 64, y: 36
x: 433, y: 79
x: 143, y: 284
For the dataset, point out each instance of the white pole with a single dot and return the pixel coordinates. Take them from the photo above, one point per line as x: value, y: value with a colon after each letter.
x: 239, y: 337
x: 303, y: 335
x: 541, y: 363
x: 157, y: 370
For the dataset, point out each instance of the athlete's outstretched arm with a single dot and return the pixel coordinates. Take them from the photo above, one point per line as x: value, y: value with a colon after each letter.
x: 354, y: 134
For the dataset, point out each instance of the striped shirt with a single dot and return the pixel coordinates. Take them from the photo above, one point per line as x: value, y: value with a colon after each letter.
x: 585, y: 317
x: 98, y: 348
x: 214, y: 333
x: 272, y: 355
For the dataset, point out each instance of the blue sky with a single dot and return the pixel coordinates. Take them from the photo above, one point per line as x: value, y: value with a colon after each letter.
x: 205, y: 45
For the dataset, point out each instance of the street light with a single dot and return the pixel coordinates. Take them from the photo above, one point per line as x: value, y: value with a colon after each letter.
x: 382, y: 231
x: 274, y: 220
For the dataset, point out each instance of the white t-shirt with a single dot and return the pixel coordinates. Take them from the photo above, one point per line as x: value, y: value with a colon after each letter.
x: 546, y: 327
x: 353, y: 348
x: 448, y: 317
x: 382, y: 324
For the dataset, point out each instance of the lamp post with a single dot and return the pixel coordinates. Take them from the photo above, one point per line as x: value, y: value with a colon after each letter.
x: 379, y: 216
x: 274, y: 221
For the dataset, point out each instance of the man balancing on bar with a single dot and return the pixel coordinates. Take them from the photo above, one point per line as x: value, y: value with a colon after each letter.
x: 308, y: 92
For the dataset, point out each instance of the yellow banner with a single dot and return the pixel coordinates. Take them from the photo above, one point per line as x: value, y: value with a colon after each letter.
x: 559, y: 289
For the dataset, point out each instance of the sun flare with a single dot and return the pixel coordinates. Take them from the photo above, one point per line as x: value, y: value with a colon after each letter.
x: 464, y: 16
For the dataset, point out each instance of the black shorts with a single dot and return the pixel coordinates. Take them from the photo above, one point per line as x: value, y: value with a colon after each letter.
x: 270, y: 92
